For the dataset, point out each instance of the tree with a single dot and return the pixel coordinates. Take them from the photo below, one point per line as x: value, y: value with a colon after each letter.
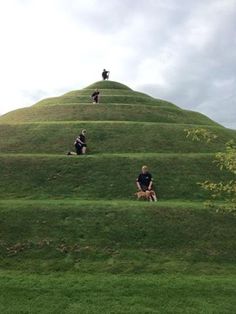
x: 224, y: 161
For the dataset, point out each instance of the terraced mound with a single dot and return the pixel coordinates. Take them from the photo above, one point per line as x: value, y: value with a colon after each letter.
x: 70, y: 225
x: 127, y: 129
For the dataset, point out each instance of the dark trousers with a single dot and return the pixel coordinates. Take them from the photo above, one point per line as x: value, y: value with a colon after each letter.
x: 78, y: 149
x: 95, y: 98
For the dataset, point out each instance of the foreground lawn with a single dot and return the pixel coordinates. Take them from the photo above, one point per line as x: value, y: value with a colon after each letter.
x: 117, y: 237
x: 73, y: 293
x: 78, y: 256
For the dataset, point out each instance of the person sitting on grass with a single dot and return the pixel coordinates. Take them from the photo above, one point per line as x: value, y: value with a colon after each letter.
x: 80, y: 144
x: 95, y: 96
x: 144, y: 183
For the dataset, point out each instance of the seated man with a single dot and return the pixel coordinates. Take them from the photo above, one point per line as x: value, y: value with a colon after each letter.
x: 144, y: 182
x: 105, y: 74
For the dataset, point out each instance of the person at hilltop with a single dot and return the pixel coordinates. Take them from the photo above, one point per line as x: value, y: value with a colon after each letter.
x: 80, y: 144
x: 105, y: 74
x: 144, y: 182
x: 95, y: 96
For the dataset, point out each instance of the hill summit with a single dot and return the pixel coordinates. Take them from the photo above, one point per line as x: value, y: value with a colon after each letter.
x: 108, y: 85
x: 118, y: 102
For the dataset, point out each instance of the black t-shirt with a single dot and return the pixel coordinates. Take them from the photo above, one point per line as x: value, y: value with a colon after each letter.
x: 82, y: 138
x: 145, y: 179
x: 95, y: 94
x: 105, y: 73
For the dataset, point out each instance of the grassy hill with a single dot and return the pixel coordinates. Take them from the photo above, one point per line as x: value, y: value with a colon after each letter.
x: 129, y: 127
x: 117, y: 103
x: 73, y: 239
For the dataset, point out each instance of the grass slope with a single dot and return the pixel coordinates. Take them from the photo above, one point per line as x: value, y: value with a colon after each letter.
x: 111, y: 137
x: 73, y: 239
x: 108, y: 85
x: 143, y: 294
x: 118, y: 102
x: 104, y: 176
x: 115, y: 237
x: 115, y: 112
x: 115, y: 257
x: 110, y: 92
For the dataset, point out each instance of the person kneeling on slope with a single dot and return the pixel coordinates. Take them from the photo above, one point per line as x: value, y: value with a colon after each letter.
x: 80, y: 144
x: 95, y: 96
x: 144, y: 183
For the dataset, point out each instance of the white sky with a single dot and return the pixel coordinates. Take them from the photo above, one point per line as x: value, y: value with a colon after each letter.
x: 183, y: 51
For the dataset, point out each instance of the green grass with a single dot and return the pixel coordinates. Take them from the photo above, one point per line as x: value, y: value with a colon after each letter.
x: 74, y: 256
x: 110, y: 92
x: 72, y: 294
x: 116, y: 112
x: 105, y: 99
x: 118, y: 102
x: 116, y: 237
x: 104, y: 176
x: 111, y: 137
x: 108, y: 85
x: 73, y: 238
x: 170, y: 204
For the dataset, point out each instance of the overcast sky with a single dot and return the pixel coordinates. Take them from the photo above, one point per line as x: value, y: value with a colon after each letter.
x: 183, y: 51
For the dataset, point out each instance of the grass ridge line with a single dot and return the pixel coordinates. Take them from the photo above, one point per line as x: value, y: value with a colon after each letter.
x: 102, y: 155
x: 112, y: 122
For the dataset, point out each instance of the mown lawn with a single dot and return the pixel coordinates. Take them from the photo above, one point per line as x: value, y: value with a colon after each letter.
x: 116, y: 237
x: 107, y: 137
x: 104, y: 293
x: 108, y: 176
x: 78, y: 256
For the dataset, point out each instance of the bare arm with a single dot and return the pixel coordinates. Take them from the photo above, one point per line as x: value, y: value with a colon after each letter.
x: 79, y: 140
x: 150, y: 185
x: 138, y: 185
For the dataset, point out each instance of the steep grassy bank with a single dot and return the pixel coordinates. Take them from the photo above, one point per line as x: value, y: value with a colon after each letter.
x: 105, y: 176
x: 107, y: 137
x: 115, y: 237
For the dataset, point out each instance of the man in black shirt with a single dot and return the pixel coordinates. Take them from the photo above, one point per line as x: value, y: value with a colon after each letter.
x: 105, y: 74
x: 80, y: 144
x: 144, y: 182
x: 95, y: 96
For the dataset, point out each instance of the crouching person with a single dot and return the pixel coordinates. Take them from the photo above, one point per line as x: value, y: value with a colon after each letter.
x: 95, y: 96
x: 144, y: 183
x: 80, y: 144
